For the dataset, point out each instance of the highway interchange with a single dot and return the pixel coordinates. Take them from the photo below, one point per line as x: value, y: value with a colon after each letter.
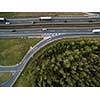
x: 49, y: 35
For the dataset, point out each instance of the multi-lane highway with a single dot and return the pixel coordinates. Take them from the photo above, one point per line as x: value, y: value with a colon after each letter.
x: 62, y: 20
x: 52, y: 34
x: 40, y: 31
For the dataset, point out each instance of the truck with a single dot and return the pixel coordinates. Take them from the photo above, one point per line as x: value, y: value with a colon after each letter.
x: 45, y: 18
x: 96, y: 30
x: 4, y: 21
x: 44, y: 29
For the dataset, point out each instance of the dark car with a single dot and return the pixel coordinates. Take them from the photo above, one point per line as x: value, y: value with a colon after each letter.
x: 33, y: 22
x: 65, y: 21
x: 90, y: 21
x: 13, y: 30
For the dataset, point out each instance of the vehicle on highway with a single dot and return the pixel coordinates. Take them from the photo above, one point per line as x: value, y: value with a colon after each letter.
x: 45, y: 18
x: 65, y: 21
x: 96, y: 30
x: 13, y: 30
x: 44, y: 29
x: 7, y: 23
x: 33, y: 22
x: 90, y: 20
x: 49, y: 37
x: 2, y: 20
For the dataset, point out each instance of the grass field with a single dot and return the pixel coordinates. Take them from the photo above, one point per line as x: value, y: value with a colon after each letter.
x: 46, y: 67
x: 36, y: 14
x: 50, y: 14
x: 13, y: 50
x: 7, y: 14
x: 4, y: 76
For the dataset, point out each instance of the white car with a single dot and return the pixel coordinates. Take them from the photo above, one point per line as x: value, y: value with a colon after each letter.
x: 7, y: 22
x: 96, y: 30
x: 44, y: 29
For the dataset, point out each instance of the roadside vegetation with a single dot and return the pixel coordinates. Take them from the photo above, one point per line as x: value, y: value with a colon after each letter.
x: 38, y: 14
x: 4, y: 76
x: 54, y: 14
x: 7, y: 14
x: 67, y: 62
x: 13, y: 50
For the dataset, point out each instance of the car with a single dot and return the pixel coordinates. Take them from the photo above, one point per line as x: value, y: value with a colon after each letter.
x: 13, y: 30
x: 90, y: 20
x: 33, y: 22
x: 96, y: 30
x: 44, y: 29
x: 45, y: 18
x: 7, y: 22
x: 65, y: 21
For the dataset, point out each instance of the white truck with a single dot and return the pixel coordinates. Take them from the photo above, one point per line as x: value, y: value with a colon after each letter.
x: 44, y: 29
x: 45, y: 18
x: 4, y: 21
x: 96, y: 30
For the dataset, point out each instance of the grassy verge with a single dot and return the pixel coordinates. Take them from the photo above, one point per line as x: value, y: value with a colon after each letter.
x: 4, y: 76
x: 48, y: 67
x: 37, y: 14
x: 7, y: 14
x: 13, y: 50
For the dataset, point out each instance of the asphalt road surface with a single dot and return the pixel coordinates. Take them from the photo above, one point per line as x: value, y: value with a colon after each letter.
x: 39, y: 31
x: 62, y: 20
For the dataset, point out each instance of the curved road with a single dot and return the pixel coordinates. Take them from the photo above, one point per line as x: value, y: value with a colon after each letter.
x: 17, y: 70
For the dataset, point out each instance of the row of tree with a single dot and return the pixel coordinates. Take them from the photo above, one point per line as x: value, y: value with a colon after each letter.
x: 67, y: 63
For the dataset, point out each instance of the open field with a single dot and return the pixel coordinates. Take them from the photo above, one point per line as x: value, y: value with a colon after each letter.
x: 37, y: 14
x: 7, y: 14
x: 66, y: 62
x: 4, y: 76
x: 13, y: 50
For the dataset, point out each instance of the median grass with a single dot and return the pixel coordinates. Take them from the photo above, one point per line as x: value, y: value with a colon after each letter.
x: 13, y: 50
x: 4, y: 76
x: 66, y: 62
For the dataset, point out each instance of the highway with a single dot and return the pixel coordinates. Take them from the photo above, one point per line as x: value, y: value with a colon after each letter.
x: 39, y: 31
x: 19, y: 68
x: 62, y: 20
x: 51, y: 35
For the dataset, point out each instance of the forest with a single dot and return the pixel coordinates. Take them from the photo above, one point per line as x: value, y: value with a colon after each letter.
x: 65, y: 63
